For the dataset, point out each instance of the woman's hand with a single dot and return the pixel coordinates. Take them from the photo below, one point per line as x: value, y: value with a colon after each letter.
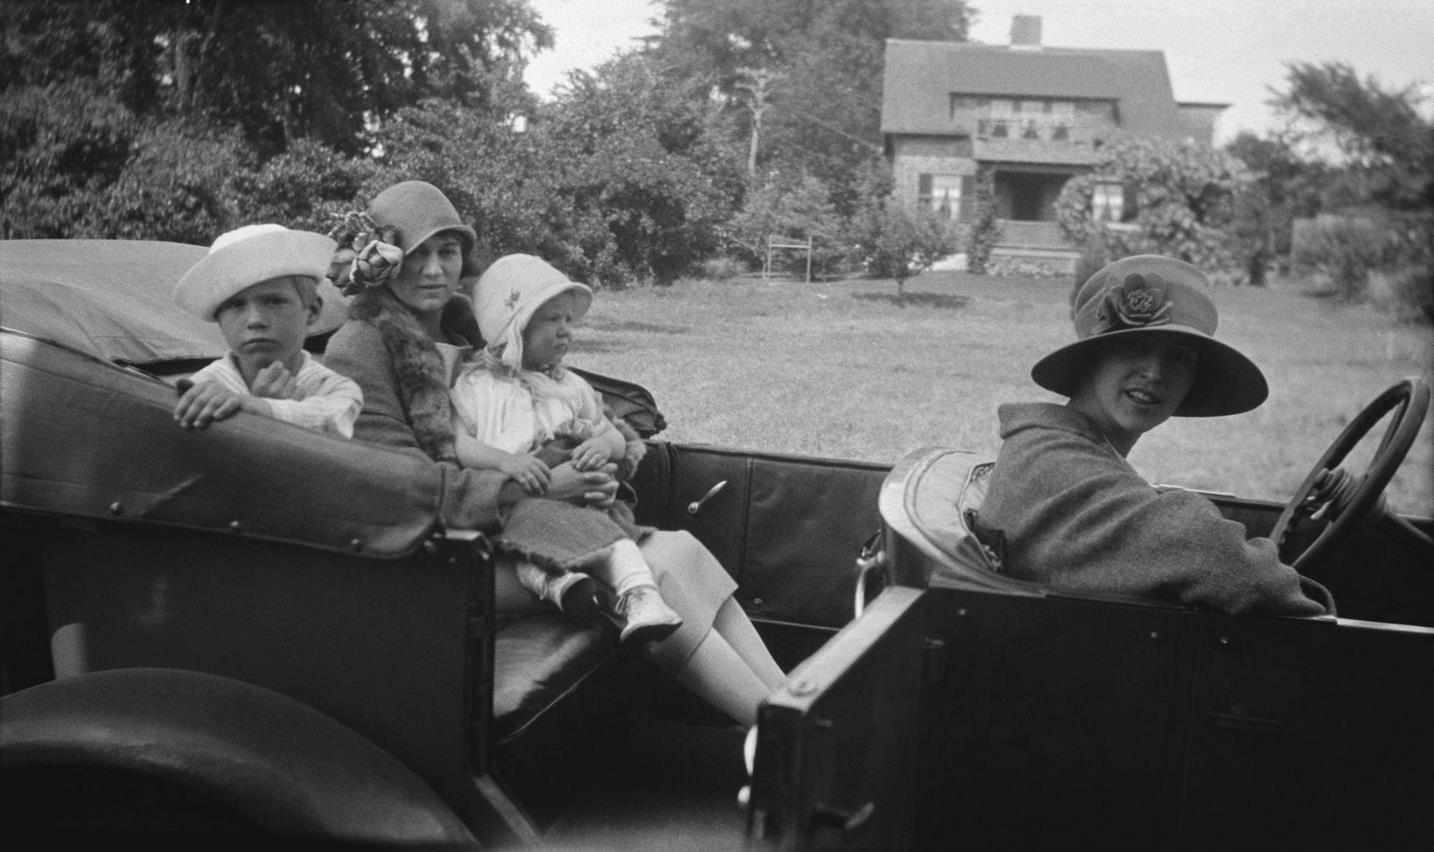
x: 596, y: 488
x: 591, y: 454
x: 528, y: 472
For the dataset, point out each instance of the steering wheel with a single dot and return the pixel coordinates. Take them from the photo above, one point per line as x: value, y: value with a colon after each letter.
x: 1344, y: 501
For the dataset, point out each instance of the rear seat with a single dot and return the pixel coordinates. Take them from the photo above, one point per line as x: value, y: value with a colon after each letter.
x: 538, y: 659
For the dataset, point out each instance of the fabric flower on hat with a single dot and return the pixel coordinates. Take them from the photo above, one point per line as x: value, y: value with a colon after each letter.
x: 368, y: 255
x: 376, y: 263
x: 1140, y: 300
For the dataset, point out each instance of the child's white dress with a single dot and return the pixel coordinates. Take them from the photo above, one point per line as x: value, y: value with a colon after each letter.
x: 530, y: 413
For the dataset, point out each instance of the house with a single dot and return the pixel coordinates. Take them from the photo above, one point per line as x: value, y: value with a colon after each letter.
x: 1035, y: 116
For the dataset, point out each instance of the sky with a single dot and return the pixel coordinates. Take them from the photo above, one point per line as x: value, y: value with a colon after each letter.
x: 1224, y: 51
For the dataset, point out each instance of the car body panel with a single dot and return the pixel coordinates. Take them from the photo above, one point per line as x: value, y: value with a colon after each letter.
x: 961, y: 707
x: 1057, y: 722
x: 89, y: 440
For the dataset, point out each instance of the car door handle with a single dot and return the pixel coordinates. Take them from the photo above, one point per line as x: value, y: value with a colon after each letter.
x: 696, y: 505
x: 847, y: 821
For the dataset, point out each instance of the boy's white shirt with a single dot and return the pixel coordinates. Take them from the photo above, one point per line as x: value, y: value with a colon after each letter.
x: 505, y: 415
x: 331, y: 402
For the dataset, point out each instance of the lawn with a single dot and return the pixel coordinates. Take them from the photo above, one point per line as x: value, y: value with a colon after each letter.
x: 839, y: 369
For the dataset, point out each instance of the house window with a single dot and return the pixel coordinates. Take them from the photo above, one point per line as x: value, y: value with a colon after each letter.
x: 1062, y: 119
x: 1002, y: 112
x: 941, y: 194
x: 1112, y: 202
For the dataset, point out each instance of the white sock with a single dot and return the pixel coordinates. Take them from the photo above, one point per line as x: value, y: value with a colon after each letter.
x: 629, y: 569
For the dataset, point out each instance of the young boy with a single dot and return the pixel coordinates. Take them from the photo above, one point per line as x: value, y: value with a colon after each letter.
x: 260, y: 283
x: 1074, y: 513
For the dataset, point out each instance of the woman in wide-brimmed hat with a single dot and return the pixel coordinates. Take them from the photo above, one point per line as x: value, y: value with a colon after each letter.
x: 408, y: 328
x: 1065, y: 506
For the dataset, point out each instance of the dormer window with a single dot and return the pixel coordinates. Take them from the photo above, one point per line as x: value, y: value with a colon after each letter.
x: 1008, y: 118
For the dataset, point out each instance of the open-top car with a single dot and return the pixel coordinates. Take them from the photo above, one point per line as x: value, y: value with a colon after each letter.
x: 257, y: 630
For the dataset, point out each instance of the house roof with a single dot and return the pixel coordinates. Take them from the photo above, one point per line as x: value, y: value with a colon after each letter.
x: 921, y: 76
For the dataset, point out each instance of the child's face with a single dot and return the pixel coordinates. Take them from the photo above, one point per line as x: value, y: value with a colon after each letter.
x: 1135, y: 383
x: 266, y: 323
x: 549, y: 331
x: 430, y: 273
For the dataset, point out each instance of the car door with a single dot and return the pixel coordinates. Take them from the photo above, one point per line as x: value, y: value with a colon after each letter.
x: 788, y: 528
x: 837, y: 744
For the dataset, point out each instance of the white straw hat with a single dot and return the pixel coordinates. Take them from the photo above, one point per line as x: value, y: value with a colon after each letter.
x: 249, y: 255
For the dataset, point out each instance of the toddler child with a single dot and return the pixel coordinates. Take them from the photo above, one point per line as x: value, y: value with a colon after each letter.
x: 518, y: 410
x: 260, y: 284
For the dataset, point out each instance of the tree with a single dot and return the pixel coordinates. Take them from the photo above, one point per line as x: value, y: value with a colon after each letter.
x: 793, y: 208
x: 830, y: 53
x: 894, y: 241
x: 1384, y: 174
x: 1184, y: 196
x: 1283, y: 187
x: 648, y: 155
x: 319, y: 69
x: 1384, y: 140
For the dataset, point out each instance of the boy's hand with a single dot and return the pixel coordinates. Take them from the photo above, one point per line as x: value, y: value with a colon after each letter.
x: 276, y: 382
x: 589, y: 455
x: 201, y: 404
x: 528, y: 472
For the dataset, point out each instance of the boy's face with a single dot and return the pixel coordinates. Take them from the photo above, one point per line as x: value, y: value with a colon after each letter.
x: 430, y: 273
x: 549, y: 331
x: 1135, y: 383
x: 266, y: 323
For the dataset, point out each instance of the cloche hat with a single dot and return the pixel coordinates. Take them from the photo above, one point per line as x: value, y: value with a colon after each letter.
x: 417, y: 210
x: 509, y: 292
x: 1151, y: 293
x: 250, y: 255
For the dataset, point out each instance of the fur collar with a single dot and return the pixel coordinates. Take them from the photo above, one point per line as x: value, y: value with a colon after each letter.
x: 422, y: 379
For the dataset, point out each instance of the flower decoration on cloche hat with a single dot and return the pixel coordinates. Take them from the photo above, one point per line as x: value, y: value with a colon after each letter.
x: 1145, y: 294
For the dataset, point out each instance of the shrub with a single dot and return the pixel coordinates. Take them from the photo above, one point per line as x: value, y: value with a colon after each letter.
x: 1184, y: 203
x: 303, y: 187
x: 1406, y: 293
x: 1343, y: 250
x: 791, y: 209
x: 896, y: 242
x: 985, y: 230
x: 62, y: 148
x: 723, y: 267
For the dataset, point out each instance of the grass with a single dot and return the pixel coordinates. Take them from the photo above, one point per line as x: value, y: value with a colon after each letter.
x: 840, y: 370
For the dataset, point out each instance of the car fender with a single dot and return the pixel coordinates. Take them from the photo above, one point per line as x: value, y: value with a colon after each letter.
x: 266, y: 761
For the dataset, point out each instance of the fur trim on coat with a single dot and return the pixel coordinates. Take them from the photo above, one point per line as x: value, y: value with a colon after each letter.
x: 422, y: 378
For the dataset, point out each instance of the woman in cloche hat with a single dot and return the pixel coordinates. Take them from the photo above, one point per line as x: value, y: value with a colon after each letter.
x: 408, y: 327
x: 1063, y: 505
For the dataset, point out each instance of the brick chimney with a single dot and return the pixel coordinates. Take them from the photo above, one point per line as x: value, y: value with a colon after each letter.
x: 1026, y: 31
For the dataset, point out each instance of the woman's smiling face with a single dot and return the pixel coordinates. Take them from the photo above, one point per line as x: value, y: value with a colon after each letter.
x: 430, y: 273
x: 1135, y: 383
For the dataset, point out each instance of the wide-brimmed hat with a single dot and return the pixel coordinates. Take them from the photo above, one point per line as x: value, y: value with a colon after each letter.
x: 250, y: 255
x: 417, y: 210
x: 510, y: 291
x: 1150, y: 293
